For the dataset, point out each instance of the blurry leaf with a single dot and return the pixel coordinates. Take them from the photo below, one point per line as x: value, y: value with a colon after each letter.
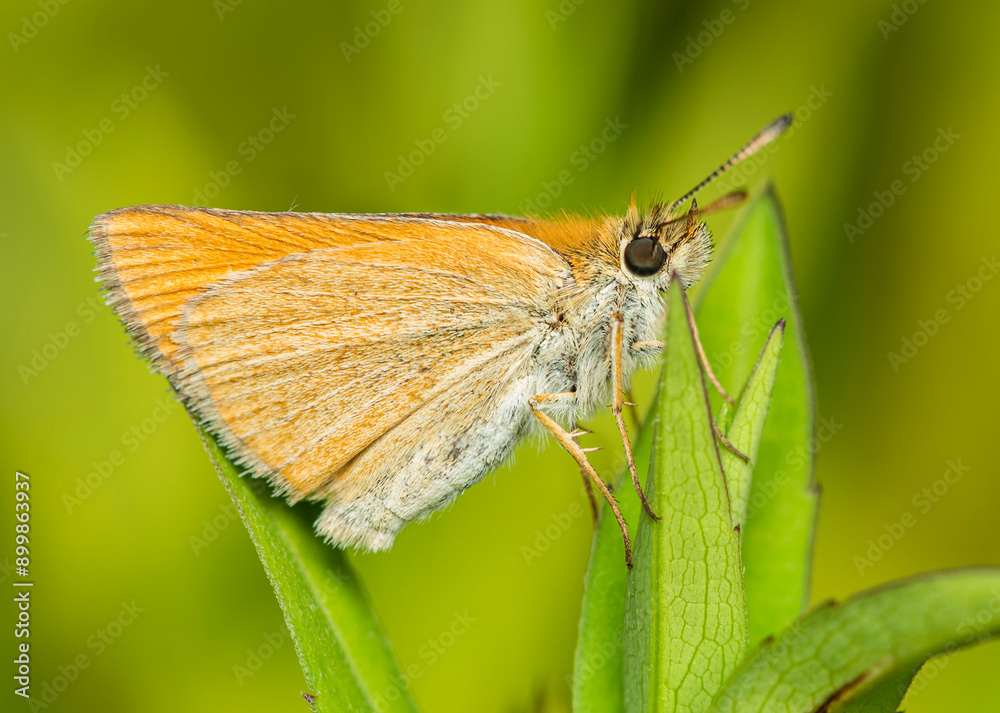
x: 843, y: 651
x: 685, y: 619
x: 747, y: 425
x: 341, y: 648
x: 597, y: 666
x: 749, y: 289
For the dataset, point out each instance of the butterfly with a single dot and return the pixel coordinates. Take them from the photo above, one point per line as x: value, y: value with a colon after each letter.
x: 383, y: 363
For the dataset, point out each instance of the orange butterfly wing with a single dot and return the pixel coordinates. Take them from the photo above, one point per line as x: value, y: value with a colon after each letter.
x: 154, y: 259
x: 314, y: 345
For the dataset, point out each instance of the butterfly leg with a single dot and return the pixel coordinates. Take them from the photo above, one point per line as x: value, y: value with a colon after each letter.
x: 725, y: 441
x: 618, y: 401
x: 701, y: 354
x: 715, y: 381
x: 655, y: 346
x: 579, y: 454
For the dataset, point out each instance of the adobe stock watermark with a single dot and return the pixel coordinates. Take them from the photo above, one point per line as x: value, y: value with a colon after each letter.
x: 212, y: 528
x: 913, y: 169
x: 969, y: 630
x: 826, y: 429
x: 122, y: 107
x: 703, y: 40
x: 57, y: 341
x: 957, y: 298
x: 97, y: 643
x: 453, y: 117
x: 753, y: 332
x: 561, y: 522
x: 739, y: 174
x: 581, y: 159
x: 562, y: 12
x: 130, y: 440
x: 928, y: 672
x: 248, y: 149
x: 923, y: 501
x: 258, y: 656
x: 593, y: 662
x: 31, y: 24
x: 364, y: 34
x: 430, y: 653
x: 901, y: 14
x: 224, y: 7
x: 975, y: 627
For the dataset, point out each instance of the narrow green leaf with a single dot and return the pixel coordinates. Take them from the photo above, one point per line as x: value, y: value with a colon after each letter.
x: 747, y: 426
x: 749, y: 289
x: 597, y: 667
x: 597, y: 677
x: 841, y: 652
x: 685, y: 619
x: 344, y: 655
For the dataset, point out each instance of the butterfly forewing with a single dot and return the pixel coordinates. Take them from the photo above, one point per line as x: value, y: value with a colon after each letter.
x: 327, y: 350
x: 154, y: 259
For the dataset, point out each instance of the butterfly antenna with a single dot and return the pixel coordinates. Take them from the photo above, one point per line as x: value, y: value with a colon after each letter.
x: 768, y: 134
x: 730, y: 200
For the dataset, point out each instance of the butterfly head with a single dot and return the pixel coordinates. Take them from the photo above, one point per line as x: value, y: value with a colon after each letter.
x: 654, y: 245
x: 663, y: 242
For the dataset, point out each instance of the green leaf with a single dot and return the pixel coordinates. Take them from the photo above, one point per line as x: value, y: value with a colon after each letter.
x: 597, y: 667
x: 749, y: 289
x: 344, y: 655
x: 843, y: 652
x: 597, y: 678
x: 747, y: 427
x: 685, y: 619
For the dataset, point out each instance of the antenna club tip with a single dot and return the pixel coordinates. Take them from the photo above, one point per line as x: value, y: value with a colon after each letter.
x: 776, y: 128
x: 781, y: 123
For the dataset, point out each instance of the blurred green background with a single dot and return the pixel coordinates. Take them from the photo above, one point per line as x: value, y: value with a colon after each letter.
x: 873, y: 85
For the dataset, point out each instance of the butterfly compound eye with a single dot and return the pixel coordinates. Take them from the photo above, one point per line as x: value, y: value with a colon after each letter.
x: 644, y: 257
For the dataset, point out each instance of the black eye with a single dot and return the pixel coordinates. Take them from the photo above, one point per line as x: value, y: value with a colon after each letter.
x: 644, y: 257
